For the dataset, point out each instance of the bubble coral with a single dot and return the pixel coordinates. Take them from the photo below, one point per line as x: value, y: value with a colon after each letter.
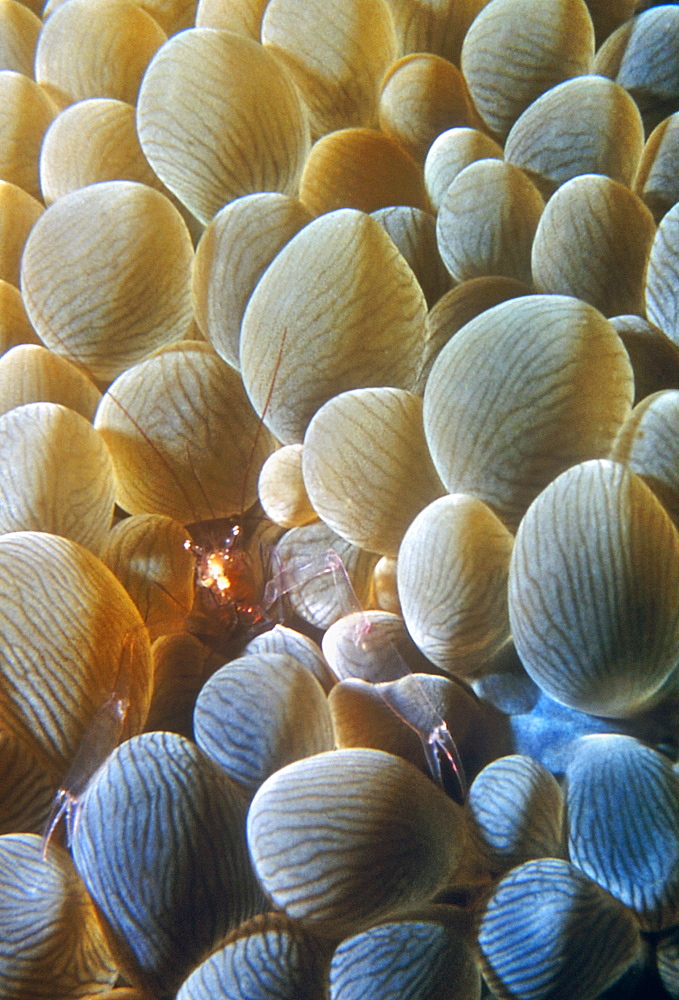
x: 189, y: 278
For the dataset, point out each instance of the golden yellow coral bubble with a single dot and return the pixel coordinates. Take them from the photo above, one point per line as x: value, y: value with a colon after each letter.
x: 91, y: 646
x: 25, y: 113
x: 15, y: 326
x: 437, y: 26
x: 422, y: 96
x: 19, y: 30
x: 243, y: 17
x: 18, y: 213
x: 68, y: 60
x: 360, y: 168
x: 148, y: 554
x: 337, y: 54
x: 29, y: 373
x: 359, y: 450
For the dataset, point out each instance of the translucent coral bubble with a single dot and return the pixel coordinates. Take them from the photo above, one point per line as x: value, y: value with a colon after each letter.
x: 45, y: 912
x: 452, y: 583
x: 183, y: 437
x: 501, y: 415
x: 376, y: 833
x: 218, y: 117
x: 60, y: 476
x: 19, y: 30
x: 593, y: 241
x: 339, y: 308
x: 515, y: 50
x: 186, y: 816
x: 106, y: 275
x: 597, y: 539
x: 68, y: 60
x: 587, y: 125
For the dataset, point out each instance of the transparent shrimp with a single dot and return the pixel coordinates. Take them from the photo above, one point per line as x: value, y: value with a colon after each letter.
x: 440, y: 751
x: 100, y: 738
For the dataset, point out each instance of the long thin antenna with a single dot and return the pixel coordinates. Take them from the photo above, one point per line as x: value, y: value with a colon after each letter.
x: 260, y: 425
x: 153, y: 446
x: 72, y: 357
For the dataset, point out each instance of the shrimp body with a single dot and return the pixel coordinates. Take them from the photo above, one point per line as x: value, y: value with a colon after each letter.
x: 99, y: 740
x: 229, y: 576
x: 440, y: 751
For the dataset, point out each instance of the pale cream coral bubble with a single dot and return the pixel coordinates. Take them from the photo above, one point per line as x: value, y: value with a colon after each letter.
x: 59, y: 474
x: 218, y: 117
x: 106, y: 275
x: 338, y: 308
x: 282, y: 493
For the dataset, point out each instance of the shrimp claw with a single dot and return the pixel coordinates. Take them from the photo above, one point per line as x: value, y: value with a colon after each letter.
x: 443, y: 760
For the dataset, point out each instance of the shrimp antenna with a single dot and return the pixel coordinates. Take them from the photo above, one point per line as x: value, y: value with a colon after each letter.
x: 154, y: 448
x: 72, y: 357
x: 199, y: 483
x: 260, y: 425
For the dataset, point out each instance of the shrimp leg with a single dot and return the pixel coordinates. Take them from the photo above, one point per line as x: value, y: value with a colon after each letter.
x: 330, y: 562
